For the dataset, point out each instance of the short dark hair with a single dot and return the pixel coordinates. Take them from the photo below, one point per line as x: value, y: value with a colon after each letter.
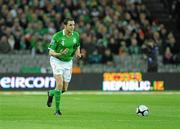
x: 67, y: 19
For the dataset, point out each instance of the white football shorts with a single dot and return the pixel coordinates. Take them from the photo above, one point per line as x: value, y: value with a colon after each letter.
x: 61, y: 68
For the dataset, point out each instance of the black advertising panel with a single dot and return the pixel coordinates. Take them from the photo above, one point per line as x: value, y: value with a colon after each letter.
x: 86, y: 81
x: 128, y: 81
x: 171, y: 81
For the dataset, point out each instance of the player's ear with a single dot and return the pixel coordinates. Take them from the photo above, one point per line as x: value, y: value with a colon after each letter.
x: 64, y: 26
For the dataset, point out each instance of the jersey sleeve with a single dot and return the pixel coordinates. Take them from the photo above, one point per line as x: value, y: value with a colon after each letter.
x: 78, y: 40
x: 53, y: 43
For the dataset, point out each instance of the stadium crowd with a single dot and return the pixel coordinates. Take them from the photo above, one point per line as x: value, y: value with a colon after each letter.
x: 107, y: 28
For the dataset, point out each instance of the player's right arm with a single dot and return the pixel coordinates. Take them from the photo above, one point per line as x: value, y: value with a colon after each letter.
x: 55, y: 54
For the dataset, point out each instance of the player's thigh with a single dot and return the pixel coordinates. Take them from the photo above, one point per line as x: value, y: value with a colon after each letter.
x: 56, y: 66
x: 58, y: 71
x: 67, y: 75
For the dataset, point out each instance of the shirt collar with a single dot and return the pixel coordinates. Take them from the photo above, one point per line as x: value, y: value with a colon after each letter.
x: 64, y: 32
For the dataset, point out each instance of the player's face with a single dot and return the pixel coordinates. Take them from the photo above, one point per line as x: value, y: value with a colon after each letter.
x: 70, y: 26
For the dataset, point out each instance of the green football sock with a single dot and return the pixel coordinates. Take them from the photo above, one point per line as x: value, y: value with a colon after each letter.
x: 57, y: 95
x: 51, y: 92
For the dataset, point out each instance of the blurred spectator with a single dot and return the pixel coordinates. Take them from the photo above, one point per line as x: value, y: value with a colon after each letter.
x: 141, y: 38
x: 171, y: 43
x: 150, y: 50
x: 163, y: 32
x: 95, y: 57
x: 168, y: 56
x: 113, y: 46
x: 4, y: 45
x: 158, y: 42
x: 134, y: 48
x: 123, y: 50
x: 107, y: 57
x: 171, y: 47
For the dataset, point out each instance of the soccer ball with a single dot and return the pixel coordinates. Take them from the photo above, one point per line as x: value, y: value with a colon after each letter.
x: 142, y: 110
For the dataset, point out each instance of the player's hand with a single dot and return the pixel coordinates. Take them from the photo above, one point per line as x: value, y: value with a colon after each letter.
x: 64, y: 52
x: 55, y: 54
x: 78, y: 55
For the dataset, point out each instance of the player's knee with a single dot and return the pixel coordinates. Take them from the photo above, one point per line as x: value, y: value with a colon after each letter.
x: 59, y: 86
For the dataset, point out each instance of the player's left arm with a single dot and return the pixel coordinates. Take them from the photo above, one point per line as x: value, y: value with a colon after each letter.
x: 78, y: 52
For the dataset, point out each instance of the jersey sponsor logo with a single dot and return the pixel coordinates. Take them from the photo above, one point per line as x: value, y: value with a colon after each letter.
x: 17, y: 82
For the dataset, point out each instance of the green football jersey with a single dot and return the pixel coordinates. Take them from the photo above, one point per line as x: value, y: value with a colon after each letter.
x: 60, y: 42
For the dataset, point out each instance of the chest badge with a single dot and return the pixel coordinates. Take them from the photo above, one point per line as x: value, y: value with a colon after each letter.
x: 62, y: 42
x: 74, y: 40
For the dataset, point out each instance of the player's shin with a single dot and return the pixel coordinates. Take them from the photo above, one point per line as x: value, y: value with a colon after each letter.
x: 51, y: 92
x: 57, y: 99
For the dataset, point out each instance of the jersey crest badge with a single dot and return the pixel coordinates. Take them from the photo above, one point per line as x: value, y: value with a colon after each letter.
x: 62, y: 42
x: 74, y: 40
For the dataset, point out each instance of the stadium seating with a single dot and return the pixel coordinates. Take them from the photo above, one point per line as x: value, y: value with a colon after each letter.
x: 40, y: 64
x: 26, y: 31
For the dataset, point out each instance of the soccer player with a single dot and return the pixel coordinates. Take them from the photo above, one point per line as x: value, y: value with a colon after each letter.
x: 64, y: 45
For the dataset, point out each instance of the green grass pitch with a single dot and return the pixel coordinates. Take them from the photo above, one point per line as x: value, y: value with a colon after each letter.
x: 91, y: 110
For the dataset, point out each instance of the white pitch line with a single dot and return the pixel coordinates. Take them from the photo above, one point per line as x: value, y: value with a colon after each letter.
x: 89, y: 93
